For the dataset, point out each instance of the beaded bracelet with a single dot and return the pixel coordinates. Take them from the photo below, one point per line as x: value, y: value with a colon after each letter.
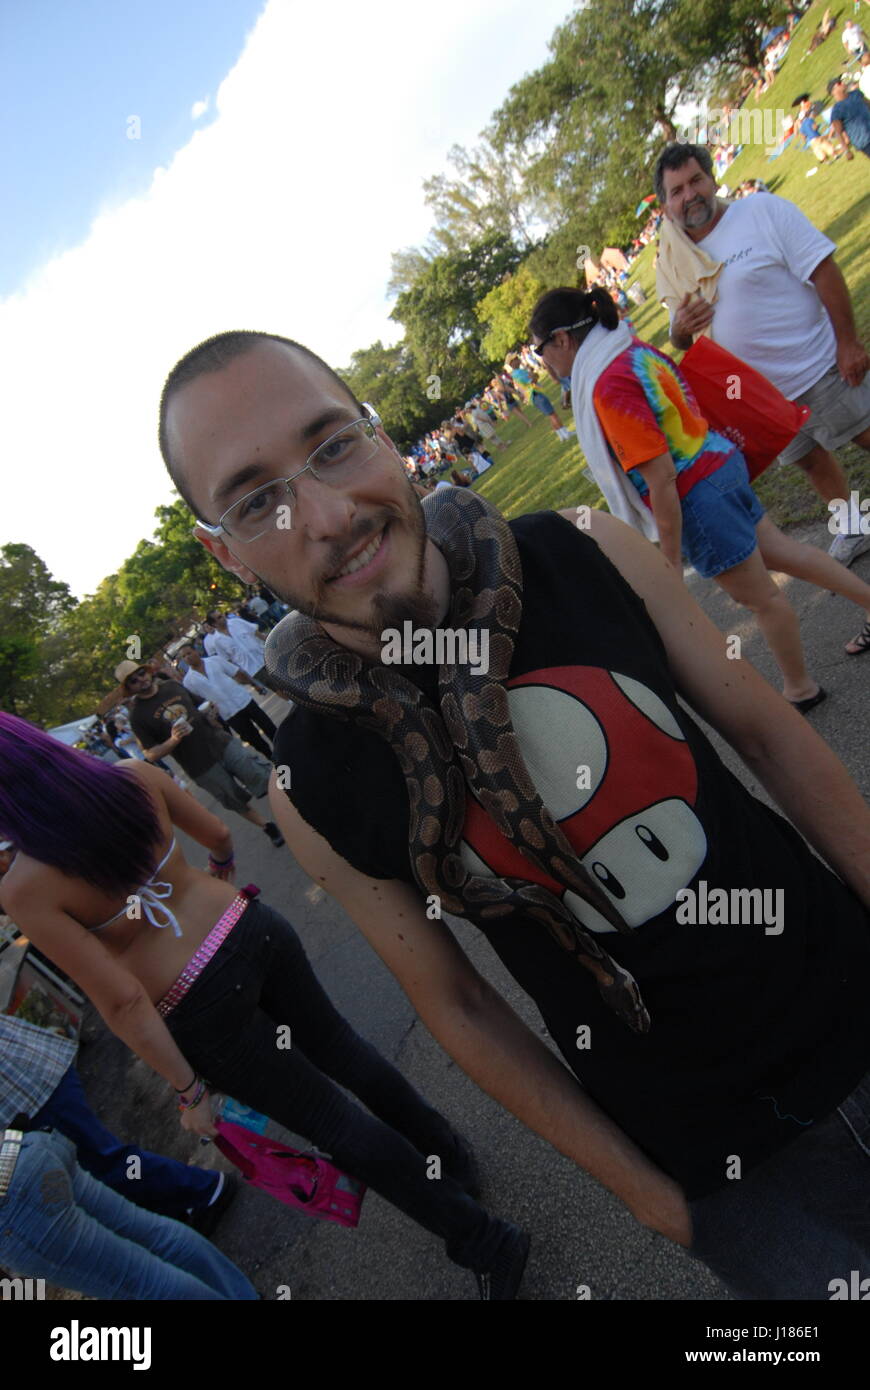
x: 197, y: 1096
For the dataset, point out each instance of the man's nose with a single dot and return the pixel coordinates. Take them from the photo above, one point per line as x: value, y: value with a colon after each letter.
x: 322, y: 511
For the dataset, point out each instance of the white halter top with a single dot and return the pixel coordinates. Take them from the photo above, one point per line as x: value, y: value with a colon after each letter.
x: 152, y: 896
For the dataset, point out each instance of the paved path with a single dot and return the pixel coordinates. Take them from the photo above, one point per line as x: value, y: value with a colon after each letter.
x: 581, y: 1235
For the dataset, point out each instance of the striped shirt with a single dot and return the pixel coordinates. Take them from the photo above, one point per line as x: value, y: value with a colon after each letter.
x: 32, y: 1063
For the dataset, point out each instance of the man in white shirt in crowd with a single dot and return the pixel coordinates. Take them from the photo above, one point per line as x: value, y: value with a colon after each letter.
x: 781, y: 305
x: 218, y: 680
x: 864, y: 79
x: 239, y: 642
x: 854, y: 40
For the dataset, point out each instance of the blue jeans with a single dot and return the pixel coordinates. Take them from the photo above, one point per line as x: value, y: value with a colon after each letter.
x: 60, y: 1224
x: 163, y: 1185
x: 259, y: 979
x: 801, y: 1219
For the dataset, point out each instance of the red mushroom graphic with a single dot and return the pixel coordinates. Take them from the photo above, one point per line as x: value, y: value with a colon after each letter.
x: 612, y: 764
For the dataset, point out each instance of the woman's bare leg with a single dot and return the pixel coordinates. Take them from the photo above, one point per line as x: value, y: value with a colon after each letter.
x: 750, y: 584
x: 780, y: 552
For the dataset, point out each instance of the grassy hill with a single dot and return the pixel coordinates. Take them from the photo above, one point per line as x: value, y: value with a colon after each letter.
x: 538, y: 471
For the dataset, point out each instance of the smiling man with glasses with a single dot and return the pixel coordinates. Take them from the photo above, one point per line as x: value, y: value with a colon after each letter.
x: 756, y: 1040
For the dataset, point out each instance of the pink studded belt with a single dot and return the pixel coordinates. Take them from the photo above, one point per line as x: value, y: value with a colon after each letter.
x: 204, y: 952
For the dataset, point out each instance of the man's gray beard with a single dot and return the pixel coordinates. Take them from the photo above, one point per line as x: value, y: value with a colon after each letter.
x: 709, y: 210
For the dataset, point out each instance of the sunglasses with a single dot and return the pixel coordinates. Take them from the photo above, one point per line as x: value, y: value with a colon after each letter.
x: 563, y: 328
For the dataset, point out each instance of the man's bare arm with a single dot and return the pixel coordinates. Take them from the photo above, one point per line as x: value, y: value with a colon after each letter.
x: 796, y: 766
x: 479, y: 1030
x: 852, y: 360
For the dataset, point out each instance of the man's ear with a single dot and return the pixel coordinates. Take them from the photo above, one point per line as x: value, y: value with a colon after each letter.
x: 225, y: 558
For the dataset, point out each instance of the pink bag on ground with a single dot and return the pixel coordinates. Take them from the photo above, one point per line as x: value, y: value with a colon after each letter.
x: 304, y: 1181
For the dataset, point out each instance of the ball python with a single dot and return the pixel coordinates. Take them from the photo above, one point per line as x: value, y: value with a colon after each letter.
x: 469, y: 743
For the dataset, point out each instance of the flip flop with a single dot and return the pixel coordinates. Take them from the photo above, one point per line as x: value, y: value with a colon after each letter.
x: 862, y: 641
x: 804, y: 706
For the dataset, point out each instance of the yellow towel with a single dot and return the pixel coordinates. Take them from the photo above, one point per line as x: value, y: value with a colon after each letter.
x: 683, y: 268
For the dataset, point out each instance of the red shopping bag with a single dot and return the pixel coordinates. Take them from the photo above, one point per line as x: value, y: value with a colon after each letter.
x: 740, y: 403
x: 305, y: 1181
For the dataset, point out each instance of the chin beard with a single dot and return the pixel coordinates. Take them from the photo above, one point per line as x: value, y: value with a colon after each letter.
x: 700, y: 216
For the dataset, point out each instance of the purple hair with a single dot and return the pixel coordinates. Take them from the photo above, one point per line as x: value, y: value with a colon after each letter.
x: 68, y: 809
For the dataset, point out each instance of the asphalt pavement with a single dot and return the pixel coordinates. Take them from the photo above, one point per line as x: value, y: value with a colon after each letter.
x: 581, y: 1235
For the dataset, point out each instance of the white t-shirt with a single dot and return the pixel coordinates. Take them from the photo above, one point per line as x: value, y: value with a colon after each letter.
x: 249, y: 647
x: 210, y: 642
x: 217, y: 684
x: 767, y: 311
x: 853, y: 38
x: 864, y: 82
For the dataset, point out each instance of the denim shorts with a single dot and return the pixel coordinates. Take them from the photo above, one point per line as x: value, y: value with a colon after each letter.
x: 720, y: 514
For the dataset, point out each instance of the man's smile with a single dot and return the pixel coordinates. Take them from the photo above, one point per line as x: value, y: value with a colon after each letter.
x: 364, y: 563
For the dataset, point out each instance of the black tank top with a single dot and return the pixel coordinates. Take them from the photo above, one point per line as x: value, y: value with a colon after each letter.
x: 755, y: 1034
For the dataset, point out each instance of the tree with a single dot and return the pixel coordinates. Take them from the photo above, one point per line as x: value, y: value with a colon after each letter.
x: 486, y: 195
x: 75, y: 647
x: 588, y: 123
x: 32, y: 602
x: 506, y: 310
x: 438, y: 311
x: 407, y: 266
x: 390, y: 379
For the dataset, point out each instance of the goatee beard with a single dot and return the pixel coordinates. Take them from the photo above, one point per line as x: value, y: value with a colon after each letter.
x: 387, y: 610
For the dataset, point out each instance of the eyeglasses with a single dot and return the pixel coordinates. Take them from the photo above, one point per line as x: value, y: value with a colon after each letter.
x: 563, y: 328
x: 332, y: 462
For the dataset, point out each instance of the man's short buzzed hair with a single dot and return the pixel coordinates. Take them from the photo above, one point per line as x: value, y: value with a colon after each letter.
x: 211, y: 356
x: 674, y: 157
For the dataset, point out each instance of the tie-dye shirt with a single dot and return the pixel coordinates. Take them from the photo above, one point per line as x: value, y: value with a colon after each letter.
x: 645, y: 409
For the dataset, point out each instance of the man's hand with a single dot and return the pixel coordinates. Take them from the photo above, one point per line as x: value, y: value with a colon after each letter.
x: 693, y: 315
x: 852, y: 361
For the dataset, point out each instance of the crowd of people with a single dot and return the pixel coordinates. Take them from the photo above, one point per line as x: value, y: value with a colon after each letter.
x: 748, y: 1036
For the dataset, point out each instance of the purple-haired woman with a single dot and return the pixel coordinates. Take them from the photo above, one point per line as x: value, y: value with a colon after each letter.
x: 196, y: 979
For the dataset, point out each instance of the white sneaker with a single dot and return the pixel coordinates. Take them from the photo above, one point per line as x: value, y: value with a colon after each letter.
x: 846, y: 549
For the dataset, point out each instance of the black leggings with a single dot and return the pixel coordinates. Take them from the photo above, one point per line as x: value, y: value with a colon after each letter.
x: 248, y: 721
x: 228, y: 1026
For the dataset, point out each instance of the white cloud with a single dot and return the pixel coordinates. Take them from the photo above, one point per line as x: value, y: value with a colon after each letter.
x: 198, y: 109
x: 281, y: 214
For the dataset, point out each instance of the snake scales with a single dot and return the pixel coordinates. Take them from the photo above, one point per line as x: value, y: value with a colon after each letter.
x: 470, y: 742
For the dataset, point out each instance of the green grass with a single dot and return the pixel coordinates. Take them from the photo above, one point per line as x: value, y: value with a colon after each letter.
x: 538, y: 471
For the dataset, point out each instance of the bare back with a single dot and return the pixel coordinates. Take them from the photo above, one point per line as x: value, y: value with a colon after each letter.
x: 154, y: 955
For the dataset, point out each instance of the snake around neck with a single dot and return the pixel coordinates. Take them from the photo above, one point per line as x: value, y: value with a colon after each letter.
x: 469, y: 744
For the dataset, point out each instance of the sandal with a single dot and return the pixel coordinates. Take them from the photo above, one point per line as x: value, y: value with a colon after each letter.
x: 804, y: 706
x: 862, y: 641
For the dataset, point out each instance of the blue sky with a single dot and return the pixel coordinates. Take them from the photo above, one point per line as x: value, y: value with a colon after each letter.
x: 277, y: 208
x: 71, y: 74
